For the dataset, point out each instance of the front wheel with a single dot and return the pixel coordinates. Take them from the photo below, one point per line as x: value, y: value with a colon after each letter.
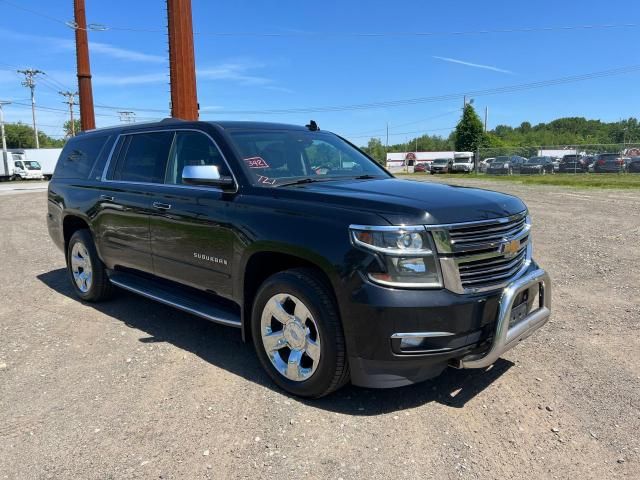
x: 87, y: 272
x: 298, y: 335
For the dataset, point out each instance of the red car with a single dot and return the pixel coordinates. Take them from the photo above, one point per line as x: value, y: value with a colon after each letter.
x: 421, y: 167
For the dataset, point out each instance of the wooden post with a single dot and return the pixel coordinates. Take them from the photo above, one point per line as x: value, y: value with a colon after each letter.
x: 184, y: 96
x: 87, y: 114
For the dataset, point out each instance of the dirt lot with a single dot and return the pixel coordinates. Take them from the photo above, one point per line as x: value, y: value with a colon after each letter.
x: 132, y: 389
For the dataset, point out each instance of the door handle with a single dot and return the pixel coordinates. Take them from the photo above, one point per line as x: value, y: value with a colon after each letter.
x: 108, y: 198
x: 161, y: 206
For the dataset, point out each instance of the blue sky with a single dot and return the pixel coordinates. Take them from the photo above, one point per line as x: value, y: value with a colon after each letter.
x: 306, y: 68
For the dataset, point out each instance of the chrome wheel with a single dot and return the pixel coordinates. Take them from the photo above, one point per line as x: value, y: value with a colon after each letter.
x: 290, y: 337
x: 81, y: 267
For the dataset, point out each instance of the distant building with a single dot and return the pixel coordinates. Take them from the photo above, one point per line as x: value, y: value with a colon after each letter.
x: 557, y: 153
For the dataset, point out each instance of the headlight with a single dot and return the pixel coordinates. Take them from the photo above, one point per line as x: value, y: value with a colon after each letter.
x: 407, y: 254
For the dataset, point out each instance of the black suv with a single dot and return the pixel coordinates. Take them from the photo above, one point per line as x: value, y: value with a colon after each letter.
x: 506, y: 165
x: 333, y: 268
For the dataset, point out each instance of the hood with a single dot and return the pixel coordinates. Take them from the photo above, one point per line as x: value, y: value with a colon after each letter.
x: 408, y: 201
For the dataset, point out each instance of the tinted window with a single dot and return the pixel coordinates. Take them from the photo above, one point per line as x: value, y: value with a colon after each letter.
x: 193, y: 148
x: 143, y: 157
x: 274, y: 157
x: 79, y: 155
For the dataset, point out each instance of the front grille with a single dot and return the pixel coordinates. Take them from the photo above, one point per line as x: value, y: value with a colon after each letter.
x: 481, y: 256
x: 494, y: 270
x: 487, y: 233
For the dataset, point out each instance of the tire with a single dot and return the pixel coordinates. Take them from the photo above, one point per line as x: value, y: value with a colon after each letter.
x: 319, y: 335
x: 82, y: 259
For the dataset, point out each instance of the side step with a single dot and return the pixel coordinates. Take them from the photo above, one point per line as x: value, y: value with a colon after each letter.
x: 182, y: 299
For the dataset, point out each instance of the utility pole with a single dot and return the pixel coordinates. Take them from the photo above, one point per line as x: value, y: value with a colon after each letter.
x: 486, y: 118
x: 182, y: 65
x: 29, y: 81
x: 4, y: 139
x: 87, y: 114
x: 127, y: 116
x: 71, y: 100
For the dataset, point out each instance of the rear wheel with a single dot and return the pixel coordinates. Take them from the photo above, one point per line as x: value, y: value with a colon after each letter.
x: 297, y: 334
x: 88, y: 273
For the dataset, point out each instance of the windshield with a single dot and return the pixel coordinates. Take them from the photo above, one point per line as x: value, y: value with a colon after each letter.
x: 32, y: 165
x: 536, y: 160
x: 501, y: 159
x: 462, y: 160
x: 276, y: 157
x: 570, y: 158
x: 440, y: 161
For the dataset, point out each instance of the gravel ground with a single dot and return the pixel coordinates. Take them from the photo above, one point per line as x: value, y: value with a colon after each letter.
x: 132, y: 389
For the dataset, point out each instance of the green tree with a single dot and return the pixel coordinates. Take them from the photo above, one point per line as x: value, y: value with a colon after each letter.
x: 469, y: 133
x: 68, y: 131
x: 376, y: 150
x: 20, y: 135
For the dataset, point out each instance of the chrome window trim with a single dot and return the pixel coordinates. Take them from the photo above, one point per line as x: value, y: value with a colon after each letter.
x: 104, y: 178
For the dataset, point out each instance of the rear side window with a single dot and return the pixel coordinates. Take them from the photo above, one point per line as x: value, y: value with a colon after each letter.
x: 143, y: 157
x: 79, y: 155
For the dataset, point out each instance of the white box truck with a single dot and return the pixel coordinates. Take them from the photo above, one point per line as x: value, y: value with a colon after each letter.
x: 29, y: 164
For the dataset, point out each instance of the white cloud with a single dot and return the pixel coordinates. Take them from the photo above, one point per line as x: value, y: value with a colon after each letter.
x: 124, y: 80
x: 474, y: 65
x: 98, y: 48
x: 125, y: 54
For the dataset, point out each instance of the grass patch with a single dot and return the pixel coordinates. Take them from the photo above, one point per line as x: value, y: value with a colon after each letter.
x: 584, y: 180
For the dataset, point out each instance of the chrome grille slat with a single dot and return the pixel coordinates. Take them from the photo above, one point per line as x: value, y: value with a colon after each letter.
x: 472, y: 230
x: 484, y: 238
x: 493, y: 268
x: 474, y: 253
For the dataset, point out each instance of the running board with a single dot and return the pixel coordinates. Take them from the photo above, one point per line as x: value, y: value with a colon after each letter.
x: 185, y: 301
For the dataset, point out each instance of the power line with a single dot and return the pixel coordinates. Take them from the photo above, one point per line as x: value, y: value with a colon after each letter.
x: 561, y: 28
x: 440, y: 98
x: 424, y: 132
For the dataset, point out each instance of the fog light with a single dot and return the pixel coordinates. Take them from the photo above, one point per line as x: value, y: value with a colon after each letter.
x: 411, y: 342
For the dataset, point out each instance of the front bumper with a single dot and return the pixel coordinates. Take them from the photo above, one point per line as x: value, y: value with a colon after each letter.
x: 506, y: 336
x: 463, y: 331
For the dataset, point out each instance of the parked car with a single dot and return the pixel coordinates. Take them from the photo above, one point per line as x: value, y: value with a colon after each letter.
x: 484, y: 164
x: 572, y: 164
x: 441, y: 165
x: 506, y: 165
x: 537, y: 165
x: 588, y: 161
x: 610, y: 163
x: 463, y: 164
x: 421, y: 168
x: 634, y: 165
x: 346, y: 275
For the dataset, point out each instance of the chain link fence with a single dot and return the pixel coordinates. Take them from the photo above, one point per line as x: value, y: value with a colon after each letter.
x: 583, y: 158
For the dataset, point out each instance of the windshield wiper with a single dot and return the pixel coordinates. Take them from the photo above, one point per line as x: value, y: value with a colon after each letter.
x: 366, y: 177
x: 301, y: 181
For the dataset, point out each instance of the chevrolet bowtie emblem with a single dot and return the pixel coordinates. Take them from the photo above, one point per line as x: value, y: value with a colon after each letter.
x: 510, y: 248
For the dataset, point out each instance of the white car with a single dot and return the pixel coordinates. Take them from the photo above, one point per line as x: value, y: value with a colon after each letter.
x: 484, y: 164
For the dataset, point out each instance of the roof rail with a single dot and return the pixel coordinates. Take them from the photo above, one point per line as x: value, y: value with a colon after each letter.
x: 172, y: 120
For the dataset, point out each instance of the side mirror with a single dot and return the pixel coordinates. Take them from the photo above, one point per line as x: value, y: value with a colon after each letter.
x: 204, y: 175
